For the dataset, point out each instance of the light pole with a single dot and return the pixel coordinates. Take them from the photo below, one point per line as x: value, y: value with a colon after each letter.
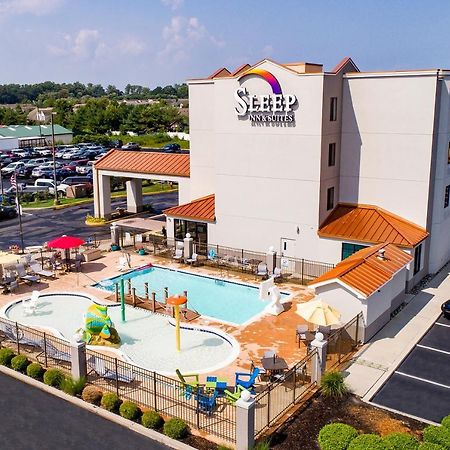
x: 56, y: 202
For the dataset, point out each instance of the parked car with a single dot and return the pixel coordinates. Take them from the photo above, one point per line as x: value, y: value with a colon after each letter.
x: 100, y: 155
x: 84, y: 170
x: 72, y: 165
x: 62, y: 151
x: 445, y: 307
x: 39, y: 161
x: 116, y: 143
x: 5, y: 160
x: 50, y: 185
x: 171, y: 148
x: 89, y: 154
x: 131, y: 146
x: 69, y: 152
x: 43, y: 151
x: 12, y: 167
x: 71, y: 181
x: 7, y: 212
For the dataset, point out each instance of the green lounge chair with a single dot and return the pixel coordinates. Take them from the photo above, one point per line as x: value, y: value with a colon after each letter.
x: 189, y: 387
x: 233, y: 397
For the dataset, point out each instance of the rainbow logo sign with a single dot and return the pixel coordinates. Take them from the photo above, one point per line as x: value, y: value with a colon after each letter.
x: 275, y: 85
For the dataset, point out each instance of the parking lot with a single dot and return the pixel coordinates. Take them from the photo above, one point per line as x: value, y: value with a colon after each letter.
x: 420, y: 386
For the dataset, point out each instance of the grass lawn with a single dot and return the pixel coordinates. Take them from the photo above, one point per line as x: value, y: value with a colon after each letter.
x: 154, y: 188
x: 152, y: 140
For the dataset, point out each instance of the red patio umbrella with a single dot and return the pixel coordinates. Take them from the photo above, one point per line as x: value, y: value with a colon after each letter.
x: 65, y: 242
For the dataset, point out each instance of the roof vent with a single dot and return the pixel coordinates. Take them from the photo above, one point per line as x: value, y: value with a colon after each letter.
x: 381, y: 253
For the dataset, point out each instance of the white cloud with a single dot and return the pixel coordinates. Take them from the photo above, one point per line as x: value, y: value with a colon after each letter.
x: 182, y: 35
x: 131, y: 45
x: 86, y: 44
x: 173, y: 4
x: 34, y: 7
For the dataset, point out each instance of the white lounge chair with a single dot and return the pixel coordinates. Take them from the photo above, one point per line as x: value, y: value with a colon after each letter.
x: 178, y: 255
x: 123, y: 264
x: 97, y: 365
x: 37, y: 269
x: 26, y: 277
x: 261, y: 271
x: 277, y: 275
x: 193, y: 259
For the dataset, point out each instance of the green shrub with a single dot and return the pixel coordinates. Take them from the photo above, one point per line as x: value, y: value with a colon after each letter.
x: 262, y: 445
x: 367, y: 442
x: 430, y: 446
x: 152, y: 419
x: 400, y: 441
x: 111, y: 402
x: 6, y: 355
x: 92, y: 395
x: 72, y: 386
x: 333, y: 385
x: 445, y: 422
x: 53, y: 377
x: 20, y: 363
x: 336, y: 436
x: 175, y: 428
x: 437, y: 435
x: 36, y: 371
x: 129, y: 410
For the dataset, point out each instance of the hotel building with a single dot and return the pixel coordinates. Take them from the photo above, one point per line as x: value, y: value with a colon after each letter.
x: 315, y: 164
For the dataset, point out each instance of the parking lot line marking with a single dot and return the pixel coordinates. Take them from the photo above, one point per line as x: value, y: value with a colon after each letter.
x: 432, y: 348
x: 442, y: 324
x: 422, y: 379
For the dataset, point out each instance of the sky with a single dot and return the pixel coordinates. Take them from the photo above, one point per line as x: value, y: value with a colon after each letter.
x: 160, y: 42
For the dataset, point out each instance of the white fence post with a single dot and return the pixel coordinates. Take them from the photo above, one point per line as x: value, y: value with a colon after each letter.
x: 245, y: 423
x: 320, y: 359
x: 78, y: 360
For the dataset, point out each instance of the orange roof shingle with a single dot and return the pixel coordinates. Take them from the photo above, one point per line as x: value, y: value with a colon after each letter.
x: 200, y: 209
x: 368, y: 223
x: 145, y: 162
x: 366, y: 271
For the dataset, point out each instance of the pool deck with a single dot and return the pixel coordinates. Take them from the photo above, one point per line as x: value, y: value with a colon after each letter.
x: 265, y: 333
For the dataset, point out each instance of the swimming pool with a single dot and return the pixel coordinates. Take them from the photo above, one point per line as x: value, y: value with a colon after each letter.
x: 227, y: 301
x: 148, y: 340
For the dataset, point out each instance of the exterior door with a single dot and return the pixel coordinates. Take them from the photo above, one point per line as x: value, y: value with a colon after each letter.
x: 287, y: 247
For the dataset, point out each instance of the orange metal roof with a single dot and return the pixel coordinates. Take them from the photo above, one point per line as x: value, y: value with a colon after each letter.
x: 366, y: 271
x: 368, y: 223
x: 145, y: 162
x: 200, y: 209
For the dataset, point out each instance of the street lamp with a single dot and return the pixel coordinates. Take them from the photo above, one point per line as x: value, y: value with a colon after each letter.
x: 56, y: 202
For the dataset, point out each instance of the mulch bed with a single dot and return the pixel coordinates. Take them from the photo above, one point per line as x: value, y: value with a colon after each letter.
x: 301, y: 430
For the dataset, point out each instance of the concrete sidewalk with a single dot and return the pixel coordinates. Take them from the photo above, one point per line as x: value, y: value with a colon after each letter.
x: 377, y: 359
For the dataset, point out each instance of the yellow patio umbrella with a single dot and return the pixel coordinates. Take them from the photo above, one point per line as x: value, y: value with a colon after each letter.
x: 319, y: 313
x: 8, y: 258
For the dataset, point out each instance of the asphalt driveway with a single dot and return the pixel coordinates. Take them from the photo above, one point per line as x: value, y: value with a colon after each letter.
x: 34, y: 420
x: 43, y: 225
x: 420, y: 386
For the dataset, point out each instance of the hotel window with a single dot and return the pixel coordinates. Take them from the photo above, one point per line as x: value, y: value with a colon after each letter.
x: 330, y: 198
x: 333, y: 109
x: 417, y: 258
x: 332, y: 154
x: 447, y: 196
x: 349, y: 249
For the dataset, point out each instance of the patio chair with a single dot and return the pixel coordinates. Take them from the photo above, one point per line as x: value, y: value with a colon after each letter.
x: 233, y: 397
x: 26, y: 277
x: 189, y: 387
x: 325, y: 330
x: 277, y: 275
x: 261, y: 270
x: 10, y: 333
x: 206, y: 403
x: 37, y: 269
x: 249, y: 383
x: 193, y: 259
x: 97, y: 365
x: 300, y: 332
x: 178, y: 255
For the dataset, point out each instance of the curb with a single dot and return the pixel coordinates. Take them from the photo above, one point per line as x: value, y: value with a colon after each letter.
x: 91, y: 200
x: 152, y: 434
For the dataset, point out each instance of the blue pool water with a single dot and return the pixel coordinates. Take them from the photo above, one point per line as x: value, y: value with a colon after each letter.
x: 223, y: 300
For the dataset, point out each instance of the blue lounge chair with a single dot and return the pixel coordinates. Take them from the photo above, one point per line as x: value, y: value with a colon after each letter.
x: 10, y: 333
x: 54, y: 352
x: 206, y: 403
x: 249, y: 383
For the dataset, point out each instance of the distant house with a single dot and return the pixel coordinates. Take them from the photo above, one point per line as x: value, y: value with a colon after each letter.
x: 40, y: 115
x: 36, y: 135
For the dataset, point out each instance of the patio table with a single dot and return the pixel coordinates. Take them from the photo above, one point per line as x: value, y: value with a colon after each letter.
x: 274, y: 365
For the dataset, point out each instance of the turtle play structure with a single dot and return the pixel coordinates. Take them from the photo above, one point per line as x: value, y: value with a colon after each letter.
x: 98, y: 327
